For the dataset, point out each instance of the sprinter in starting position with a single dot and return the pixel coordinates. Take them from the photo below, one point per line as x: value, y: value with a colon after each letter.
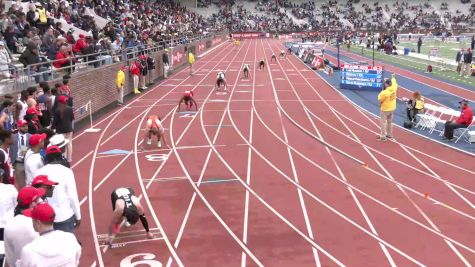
x: 221, y: 81
x: 189, y: 101
x: 127, y: 210
x: 246, y: 70
x: 154, y: 127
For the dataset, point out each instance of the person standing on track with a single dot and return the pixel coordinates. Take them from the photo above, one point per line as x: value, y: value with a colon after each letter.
x: 262, y: 64
x: 191, y: 61
x: 246, y: 71
x: 221, y: 80
x: 128, y: 209
x: 154, y: 127
x: 119, y: 82
x: 189, y: 101
x: 387, y: 99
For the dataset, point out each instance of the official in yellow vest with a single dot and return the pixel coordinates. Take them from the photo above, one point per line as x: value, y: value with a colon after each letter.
x: 42, y: 17
x: 119, y: 82
x: 387, y: 99
x: 191, y: 61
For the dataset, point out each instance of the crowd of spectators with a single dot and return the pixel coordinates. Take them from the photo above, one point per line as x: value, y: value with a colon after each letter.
x: 39, y: 206
x: 35, y: 31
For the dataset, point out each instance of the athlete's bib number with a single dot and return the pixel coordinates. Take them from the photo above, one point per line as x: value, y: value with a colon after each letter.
x: 146, y: 259
x: 156, y: 157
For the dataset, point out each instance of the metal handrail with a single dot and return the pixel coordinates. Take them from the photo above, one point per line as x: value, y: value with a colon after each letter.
x: 25, y: 76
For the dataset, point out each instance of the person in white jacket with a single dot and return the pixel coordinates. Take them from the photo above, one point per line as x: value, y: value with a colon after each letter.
x: 52, y: 247
x: 65, y: 196
x: 19, y: 231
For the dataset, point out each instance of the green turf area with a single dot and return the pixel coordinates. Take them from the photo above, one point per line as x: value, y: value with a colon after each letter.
x: 447, y: 50
x: 416, y: 64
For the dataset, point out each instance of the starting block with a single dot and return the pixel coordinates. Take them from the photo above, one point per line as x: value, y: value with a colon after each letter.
x: 187, y: 112
x: 221, y: 93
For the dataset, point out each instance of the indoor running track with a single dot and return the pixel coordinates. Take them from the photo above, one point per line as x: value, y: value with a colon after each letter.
x: 282, y: 171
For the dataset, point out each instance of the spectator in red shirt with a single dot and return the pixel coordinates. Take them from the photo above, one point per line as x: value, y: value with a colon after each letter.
x: 61, y: 58
x: 80, y: 44
x: 463, y: 121
x: 135, y: 72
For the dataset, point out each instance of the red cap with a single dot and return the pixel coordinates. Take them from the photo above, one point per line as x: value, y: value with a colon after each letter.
x: 81, y: 35
x: 36, y: 139
x: 42, y: 212
x: 21, y: 123
x: 42, y: 180
x: 28, y: 194
x: 53, y: 149
x: 63, y: 99
x: 31, y: 111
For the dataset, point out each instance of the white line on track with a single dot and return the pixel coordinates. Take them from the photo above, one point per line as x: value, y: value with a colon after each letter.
x: 91, y: 173
x: 198, y: 192
x: 444, y: 236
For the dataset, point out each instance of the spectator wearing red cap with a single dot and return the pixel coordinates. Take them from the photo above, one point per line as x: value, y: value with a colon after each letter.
x: 19, y: 231
x: 8, y: 195
x: 33, y: 121
x: 119, y: 82
x: 18, y: 150
x: 51, y: 248
x: 6, y: 168
x: 65, y: 197
x: 135, y: 72
x: 63, y: 124
x: 33, y: 160
x: 42, y: 181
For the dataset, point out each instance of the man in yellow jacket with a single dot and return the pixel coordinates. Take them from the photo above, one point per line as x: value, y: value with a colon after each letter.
x: 191, y: 61
x: 119, y: 82
x: 387, y: 100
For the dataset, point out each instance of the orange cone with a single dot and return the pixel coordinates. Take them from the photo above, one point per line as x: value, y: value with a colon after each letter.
x: 365, y: 165
x: 426, y: 195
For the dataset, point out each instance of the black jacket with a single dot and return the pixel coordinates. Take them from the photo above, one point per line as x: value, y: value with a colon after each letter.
x: 63, y: 124
x: 467, y: 58
x: 28, y: 58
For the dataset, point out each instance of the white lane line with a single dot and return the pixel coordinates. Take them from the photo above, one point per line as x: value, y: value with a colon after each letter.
x: 248, y: 172
x: 342, y: 175
x: 91, y: 175
x: 205, y: 201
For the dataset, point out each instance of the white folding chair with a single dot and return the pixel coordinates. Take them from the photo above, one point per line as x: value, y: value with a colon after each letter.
x: 463, y: 133
x: 437, y: 120
x: 425, y: 118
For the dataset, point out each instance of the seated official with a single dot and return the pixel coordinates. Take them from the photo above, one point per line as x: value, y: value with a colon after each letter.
x: 465, y: 119
x: 415, y: 106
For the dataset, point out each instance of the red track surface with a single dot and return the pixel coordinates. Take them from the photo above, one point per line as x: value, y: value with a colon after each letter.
x: 282, y: 171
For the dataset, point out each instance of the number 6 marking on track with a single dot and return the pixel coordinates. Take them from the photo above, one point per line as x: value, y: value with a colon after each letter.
x: 147, y: 260
x: 156, y: 157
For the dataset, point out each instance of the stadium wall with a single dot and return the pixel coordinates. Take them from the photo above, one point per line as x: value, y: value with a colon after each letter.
x: 98, y: 85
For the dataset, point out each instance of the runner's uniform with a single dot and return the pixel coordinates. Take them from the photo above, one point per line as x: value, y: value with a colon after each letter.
x: 220, y: 79
x: 126, y: 194
x: 154, y: 122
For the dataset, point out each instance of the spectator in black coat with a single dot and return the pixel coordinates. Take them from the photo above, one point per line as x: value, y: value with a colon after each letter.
x: 31, y: 57
x: 419, y: 44
x: 63, y: 123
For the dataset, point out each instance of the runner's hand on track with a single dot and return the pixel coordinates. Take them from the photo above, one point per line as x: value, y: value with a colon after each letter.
x: 150, y: 235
